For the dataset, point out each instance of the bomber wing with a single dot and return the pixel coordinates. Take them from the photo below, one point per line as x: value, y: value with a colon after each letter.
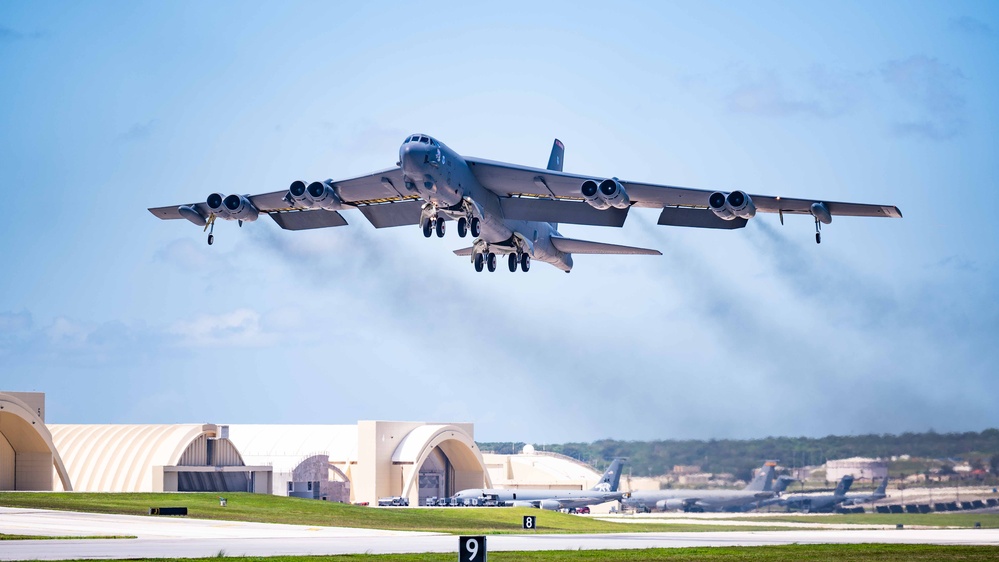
x: 535, y: 194
x: 380, y: 196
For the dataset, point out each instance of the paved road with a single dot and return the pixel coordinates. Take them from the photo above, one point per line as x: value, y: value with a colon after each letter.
x: 181, y: 537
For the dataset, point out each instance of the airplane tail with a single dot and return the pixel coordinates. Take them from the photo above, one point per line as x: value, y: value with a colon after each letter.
x: 881, y: 491
x: 782, y: 483
x: 612, y: 477
x: 843, y: 486
x: 555, y: 160
x: 763, y: 479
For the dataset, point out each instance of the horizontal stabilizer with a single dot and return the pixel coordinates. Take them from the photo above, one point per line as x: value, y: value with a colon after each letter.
x: 464, y: 251
x: 307, y: 220
x: 697, y: 218
x: 572, y: 246
x: 560, y: 211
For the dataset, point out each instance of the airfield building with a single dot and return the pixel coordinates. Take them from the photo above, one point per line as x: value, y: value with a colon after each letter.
x: 29, y: 459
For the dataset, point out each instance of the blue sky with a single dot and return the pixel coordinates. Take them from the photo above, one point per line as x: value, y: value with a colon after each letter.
x: 887, y: 326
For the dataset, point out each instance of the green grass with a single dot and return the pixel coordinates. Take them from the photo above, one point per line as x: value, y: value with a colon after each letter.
x: 789, y: 553
x: 988, y: 520
x: 277, y: 509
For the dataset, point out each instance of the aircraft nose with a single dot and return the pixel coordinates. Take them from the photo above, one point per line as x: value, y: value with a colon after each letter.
x: 412, y: 155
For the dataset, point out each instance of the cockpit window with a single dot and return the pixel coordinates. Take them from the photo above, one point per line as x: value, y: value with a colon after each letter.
x: 424, y: 140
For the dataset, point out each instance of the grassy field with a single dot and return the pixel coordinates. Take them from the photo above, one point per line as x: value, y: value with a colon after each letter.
x: 790, y: 553
x: 278, y: 509
x: 988, y: 520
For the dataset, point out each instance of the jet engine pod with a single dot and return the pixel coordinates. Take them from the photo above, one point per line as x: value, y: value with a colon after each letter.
x: 550, y: 505
x: 741, y: 205
x: 322, y: 195
x: 717, y: 203
x: 214, y: 202
x: 240, y: 208
x: 671, y: 505
x: 613, y: 193
x: 298, y: 195
x: 591, y: 193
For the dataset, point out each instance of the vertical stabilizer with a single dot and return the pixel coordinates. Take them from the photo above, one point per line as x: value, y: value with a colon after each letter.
x: 881, y: 491
x: 612, y: 478
x: 844, y: 485
x: 763, y: 480
x: 557, y: 157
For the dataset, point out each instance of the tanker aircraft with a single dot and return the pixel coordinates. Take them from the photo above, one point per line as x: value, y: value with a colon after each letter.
x: 508, y: 209
x: 604, y: 491
x: 704, y: 500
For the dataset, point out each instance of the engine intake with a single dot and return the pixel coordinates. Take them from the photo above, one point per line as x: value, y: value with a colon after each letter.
x: 606, y: 194
x: 735, y: 205
x: 323, y: 196
x: 214, y: 202
x: 240, y: 208
x: 297, y: 193
x: 591, y: 194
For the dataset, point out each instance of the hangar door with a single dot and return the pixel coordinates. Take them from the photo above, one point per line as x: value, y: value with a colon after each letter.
x: 436, y: 476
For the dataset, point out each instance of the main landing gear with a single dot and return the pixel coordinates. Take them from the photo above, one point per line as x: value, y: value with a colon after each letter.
x: 524, y: 260
x: 433, y: 224
x: 484, y: 260
x: 466, y: 225
x: 818, y: 234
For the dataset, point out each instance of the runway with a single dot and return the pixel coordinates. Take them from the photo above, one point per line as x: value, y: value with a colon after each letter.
x: 188, y: 538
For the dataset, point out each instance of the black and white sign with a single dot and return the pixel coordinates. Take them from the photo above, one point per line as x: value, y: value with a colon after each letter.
x: 530, y: 522
x: 471, y: 549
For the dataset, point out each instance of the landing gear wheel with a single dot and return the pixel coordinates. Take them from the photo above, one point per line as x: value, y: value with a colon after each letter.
x: 476, y: 226
x: 525, y: 263
x: 211, y: 239
x: 462, y: 227
x: 440, y: 227
x: 427, y: 227
x: 513, y: 262
x: 479, y: 261
x: 491, y: 262
x: 818, y: 237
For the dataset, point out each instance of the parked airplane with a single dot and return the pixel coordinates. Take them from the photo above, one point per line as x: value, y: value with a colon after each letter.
x: 606, y: 490
x: 878, y: 494
x: 704, y: 500
x: 508, y: 209
x: 818, y: 502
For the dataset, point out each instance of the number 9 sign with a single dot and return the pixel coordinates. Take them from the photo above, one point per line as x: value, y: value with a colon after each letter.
x: 471, y: 549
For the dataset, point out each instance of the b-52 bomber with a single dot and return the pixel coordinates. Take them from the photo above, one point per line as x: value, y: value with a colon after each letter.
x: 509, y: 210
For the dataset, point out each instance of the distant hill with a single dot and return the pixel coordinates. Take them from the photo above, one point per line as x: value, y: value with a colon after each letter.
x: 741, y: 456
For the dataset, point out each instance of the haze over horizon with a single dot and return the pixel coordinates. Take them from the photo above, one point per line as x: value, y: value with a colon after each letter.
x: 108, y: 108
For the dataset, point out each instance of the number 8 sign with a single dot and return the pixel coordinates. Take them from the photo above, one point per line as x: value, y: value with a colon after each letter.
x: 471, y: 549
x: 530, y: 522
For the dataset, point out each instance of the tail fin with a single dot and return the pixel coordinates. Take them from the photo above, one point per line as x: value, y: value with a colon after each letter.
x: 882, y: 487
x: 782, y: 483
x: 558, y: 154
x: 763, y: 479
x: 612, y: 478
x: 844, y: 485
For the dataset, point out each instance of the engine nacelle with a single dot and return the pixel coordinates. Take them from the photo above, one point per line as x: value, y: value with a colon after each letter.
x: 240, y: 208
x: 717, y: 204
x: 671, y: 505
x: 298, y: 195
x: 741, y: 205
x: 613, y: 193
x: 591, y: 193
x: 323, y: 196
x: 735, y: 205
x: 520, y: 503
x: 216, y: 205
x: 550, y: 505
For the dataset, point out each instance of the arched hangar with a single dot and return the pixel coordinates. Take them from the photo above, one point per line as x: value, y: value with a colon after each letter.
x: 29, y: 460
